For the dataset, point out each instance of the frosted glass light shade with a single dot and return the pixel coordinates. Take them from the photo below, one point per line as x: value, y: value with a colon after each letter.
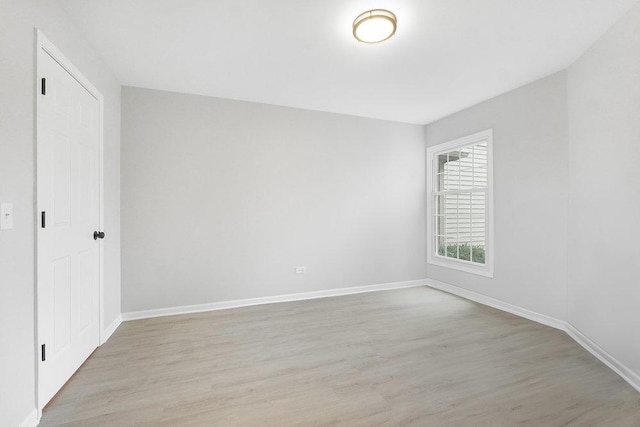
x: 374, y: 26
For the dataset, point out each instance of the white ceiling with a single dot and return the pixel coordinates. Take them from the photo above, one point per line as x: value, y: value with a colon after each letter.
x: 445, y: 56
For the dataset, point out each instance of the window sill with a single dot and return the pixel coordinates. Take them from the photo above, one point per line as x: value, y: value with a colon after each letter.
x: 486, y: 271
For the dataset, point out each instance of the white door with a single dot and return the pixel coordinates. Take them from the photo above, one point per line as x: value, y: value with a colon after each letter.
x: 68, y: 192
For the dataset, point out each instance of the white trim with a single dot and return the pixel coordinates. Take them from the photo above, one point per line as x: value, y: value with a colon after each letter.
x: 496, y: 303
x: 31, y: 420
x: 461, y: 265
x: 463, y: 141
x: 44, y: 44
x: 106, y: 334
x: 223, y: 305
x: 618, y: 367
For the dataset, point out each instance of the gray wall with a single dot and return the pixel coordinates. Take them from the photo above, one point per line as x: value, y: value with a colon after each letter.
x: 567, y: 150
x: 604, y: 192
x: 222, y: 199
x: 530, y: 194
x: 17, y: 21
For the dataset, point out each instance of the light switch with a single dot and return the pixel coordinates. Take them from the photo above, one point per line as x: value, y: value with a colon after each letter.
x: 6, y: 216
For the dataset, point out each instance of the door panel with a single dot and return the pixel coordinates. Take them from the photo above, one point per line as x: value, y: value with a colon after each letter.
x: 68, y: 156
x: 61, y: 179
x: 86, y: 273
x: 61, y: 305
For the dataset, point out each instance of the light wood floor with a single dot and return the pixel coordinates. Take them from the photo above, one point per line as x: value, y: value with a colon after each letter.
x: 407, y: 357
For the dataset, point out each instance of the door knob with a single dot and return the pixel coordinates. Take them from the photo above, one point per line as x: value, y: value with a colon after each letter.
x: 98, y: 235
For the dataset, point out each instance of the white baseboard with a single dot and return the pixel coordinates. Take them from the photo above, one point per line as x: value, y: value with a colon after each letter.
x: 170, y: 311
x: 627, y: 374
x: 106, y: 334
x: 496, y: 303
x: 31, y: 420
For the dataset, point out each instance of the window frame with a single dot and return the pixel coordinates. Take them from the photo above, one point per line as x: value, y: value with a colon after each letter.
x: 433, y: 257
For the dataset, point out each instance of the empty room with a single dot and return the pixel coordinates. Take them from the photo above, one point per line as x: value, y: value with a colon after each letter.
x: 296, y: 213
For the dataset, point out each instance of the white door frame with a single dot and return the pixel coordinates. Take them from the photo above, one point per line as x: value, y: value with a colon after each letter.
x: 45, y: 44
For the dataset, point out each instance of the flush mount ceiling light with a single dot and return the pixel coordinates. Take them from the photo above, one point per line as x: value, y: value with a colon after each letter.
x: 374, y: 26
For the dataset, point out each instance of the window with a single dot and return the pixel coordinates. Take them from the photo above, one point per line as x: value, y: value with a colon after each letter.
x: 459, y: 204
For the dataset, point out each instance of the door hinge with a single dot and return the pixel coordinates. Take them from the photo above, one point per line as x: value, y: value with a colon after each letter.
x: 44, y: 86
x: 44, y: 357
x: 42, y: 218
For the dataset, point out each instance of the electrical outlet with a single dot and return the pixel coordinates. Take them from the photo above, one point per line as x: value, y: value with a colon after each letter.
x: 301, y: 270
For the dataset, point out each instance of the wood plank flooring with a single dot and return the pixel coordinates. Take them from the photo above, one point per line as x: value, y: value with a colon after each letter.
x: 415, y: 356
